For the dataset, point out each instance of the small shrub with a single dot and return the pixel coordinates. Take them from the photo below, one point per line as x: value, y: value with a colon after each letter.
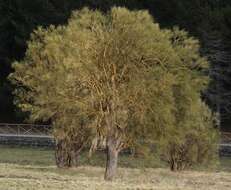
x: 193, y: 139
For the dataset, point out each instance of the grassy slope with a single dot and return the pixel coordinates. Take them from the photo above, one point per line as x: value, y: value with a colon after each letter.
x: 22, y: 169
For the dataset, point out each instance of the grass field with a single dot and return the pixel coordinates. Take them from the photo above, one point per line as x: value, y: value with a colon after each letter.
x: 34, y: 169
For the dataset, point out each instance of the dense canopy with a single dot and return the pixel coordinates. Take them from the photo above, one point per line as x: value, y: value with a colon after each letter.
x: 117, y: 76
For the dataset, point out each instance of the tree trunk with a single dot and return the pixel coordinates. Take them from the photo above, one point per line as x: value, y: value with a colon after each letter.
x: 173, y: 165
x: 67, y: 155
x: 75, y: 154
x: 173, y: 159
x: 61, y: 157
x: 112, y: 159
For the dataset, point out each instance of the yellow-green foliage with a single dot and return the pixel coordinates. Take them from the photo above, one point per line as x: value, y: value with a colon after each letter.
x: 190, y: 138
x: 103, y: 68
x: 193, y: 139
x: 118, y: 72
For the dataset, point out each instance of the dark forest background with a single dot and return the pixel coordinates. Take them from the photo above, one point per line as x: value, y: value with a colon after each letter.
x: 207, y: 20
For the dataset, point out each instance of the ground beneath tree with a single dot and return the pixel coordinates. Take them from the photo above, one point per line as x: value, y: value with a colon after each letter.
x: 13, y: 176
x: 23, y: 168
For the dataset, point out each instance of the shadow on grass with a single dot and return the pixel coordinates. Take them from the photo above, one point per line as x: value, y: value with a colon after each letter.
x: 42, y: 159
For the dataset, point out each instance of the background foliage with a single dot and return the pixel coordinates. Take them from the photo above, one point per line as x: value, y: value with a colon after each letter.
x: 207, y: 19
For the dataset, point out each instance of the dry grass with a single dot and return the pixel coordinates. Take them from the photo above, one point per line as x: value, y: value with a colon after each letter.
x: 18, y: 177
x: 33, y: 169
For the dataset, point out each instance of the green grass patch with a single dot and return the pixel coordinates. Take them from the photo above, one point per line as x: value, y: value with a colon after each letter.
x: 26, y: 155
x: 45, y: 157
x: 225, y: 164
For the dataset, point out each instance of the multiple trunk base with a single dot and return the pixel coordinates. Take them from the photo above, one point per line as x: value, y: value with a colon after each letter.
x: 67, y: 156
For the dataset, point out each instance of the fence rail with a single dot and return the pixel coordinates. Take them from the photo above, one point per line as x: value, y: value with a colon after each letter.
x: 7, y: 129
x: 41, y: 135
x: 226, y: 137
